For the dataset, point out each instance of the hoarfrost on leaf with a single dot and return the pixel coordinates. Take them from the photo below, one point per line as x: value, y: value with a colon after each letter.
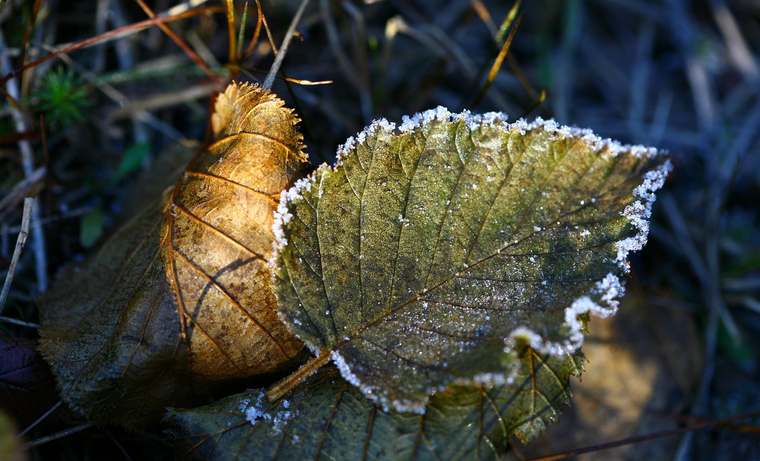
x: 328, y: 418
x: 432, y: 246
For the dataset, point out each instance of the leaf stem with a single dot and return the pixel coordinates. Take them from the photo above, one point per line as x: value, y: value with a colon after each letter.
x: 289, y: 383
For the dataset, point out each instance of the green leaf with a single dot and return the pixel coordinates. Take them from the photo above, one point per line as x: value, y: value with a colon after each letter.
x: 327, y: 418
x: 131, y: 160
x: 431, y: 246
x: 110, y: 330
x: 91, y: 227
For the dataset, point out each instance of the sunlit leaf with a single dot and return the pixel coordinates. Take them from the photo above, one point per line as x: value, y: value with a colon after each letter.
x: 180, y: 295
x: 328, y: 418
x: 431, y: 246
x: 219, y: 237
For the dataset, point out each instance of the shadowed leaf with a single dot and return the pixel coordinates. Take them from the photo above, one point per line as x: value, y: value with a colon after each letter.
x: 27, y: 388
x: 110, y: 329
x: 430, y: 245
x: 180, y: 295
x: 327, y: 418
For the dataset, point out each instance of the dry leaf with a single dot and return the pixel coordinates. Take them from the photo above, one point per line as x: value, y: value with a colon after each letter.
x: 218, y: 228
x: 181, y: 292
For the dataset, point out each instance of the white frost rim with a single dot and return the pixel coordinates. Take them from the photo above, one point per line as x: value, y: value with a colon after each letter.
x: 607, y: 291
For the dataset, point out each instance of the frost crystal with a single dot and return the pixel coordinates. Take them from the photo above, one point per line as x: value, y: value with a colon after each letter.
x: 602, y: 301
x: 282, y: 215
x: 255, y: 413
x: 369, y: 392
x: 639, y: 212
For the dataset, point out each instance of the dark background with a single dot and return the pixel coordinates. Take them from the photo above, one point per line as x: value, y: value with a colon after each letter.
x: 680, y: 75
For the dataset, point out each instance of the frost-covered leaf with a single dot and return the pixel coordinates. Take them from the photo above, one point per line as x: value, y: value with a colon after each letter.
x: 328, y: 418
x: 432, y: 245
x: 181, y: 295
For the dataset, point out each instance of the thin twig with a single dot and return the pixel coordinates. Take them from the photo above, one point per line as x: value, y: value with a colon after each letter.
x: 163, y: 100
x: 503, y: 52
x: 178, y: 41
x: 59, y: 435
x: 119, y: 32
x: 284, y: 47
x: 24, y: 188
x: 20, y: 241
x: 18, y: 322
x: 40, y: 419
x: 643, y: 438
x: 27, y: 163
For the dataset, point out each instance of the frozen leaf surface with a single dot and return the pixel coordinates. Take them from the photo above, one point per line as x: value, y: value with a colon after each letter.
x: 434, y: 245
x: 180, y: 295
x: 328, y: 418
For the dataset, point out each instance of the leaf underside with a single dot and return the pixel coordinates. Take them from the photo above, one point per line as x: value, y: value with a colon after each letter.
x: 328, y: 418
x: 423, y: 250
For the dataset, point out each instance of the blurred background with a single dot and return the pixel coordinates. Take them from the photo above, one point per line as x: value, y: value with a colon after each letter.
x: 89, y: 132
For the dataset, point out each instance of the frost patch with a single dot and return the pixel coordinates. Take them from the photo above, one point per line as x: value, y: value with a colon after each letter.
x: 282, y: 215
x: 602, y: 301
x: 639, y: 212
x: 421, y: 120
x: 377, y: 125
x: 256, y: 412
x: 369, y: 391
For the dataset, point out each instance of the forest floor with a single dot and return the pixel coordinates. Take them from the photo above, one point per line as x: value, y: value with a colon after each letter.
x: 81, y: 131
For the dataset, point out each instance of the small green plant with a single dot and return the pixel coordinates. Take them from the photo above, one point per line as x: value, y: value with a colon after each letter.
x: 62, y: 97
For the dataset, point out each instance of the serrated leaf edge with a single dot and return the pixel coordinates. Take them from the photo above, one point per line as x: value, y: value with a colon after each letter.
x: 606, y: 291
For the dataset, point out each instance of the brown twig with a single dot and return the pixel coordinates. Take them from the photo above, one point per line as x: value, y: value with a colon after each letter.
x: 643, y: 438
x: 178, y: 40
x: 114, y: 34
x: 496, y: 66
x: 256, y: 32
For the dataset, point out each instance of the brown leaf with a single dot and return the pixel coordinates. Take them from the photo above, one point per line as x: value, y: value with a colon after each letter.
x: 218, y: 231
x: 180, y: 295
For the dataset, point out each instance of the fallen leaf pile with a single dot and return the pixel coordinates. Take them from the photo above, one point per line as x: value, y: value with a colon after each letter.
x: 441, y: 273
